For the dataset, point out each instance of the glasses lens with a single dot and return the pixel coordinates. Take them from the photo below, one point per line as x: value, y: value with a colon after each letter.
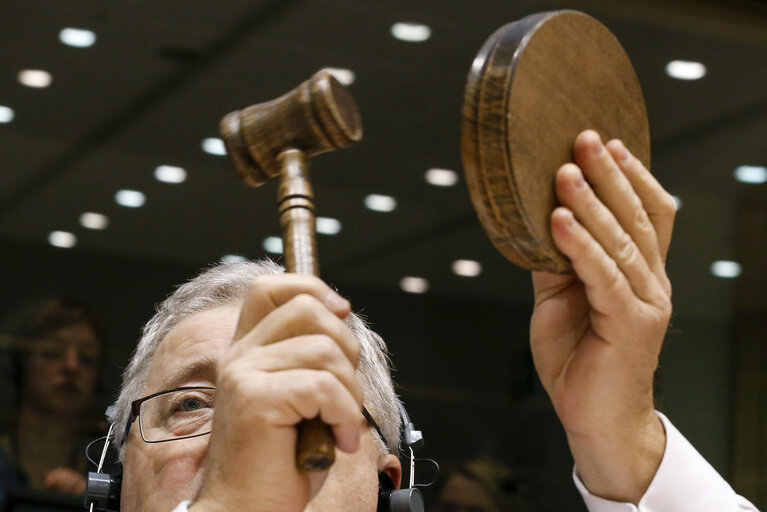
x: 177, y: 414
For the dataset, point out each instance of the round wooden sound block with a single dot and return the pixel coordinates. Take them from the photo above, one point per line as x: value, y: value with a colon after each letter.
x: 533, y: 87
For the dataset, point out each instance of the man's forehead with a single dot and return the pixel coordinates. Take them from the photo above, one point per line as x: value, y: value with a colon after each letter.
x: 193, y: 347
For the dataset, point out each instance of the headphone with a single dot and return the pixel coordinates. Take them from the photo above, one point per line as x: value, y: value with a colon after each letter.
x: 408, y: 499
x: 102, y: 491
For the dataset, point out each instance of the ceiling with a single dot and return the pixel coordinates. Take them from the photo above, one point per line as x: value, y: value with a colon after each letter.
x: 162, y: 74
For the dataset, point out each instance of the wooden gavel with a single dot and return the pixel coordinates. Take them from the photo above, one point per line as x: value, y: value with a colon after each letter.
x: 276, y: 138
x: 534, y: 85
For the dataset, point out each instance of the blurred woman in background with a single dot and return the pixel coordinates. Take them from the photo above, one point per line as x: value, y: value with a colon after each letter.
x: 56, y: 356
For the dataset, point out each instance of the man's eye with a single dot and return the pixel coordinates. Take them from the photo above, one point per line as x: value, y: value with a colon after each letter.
x: 191, y: 404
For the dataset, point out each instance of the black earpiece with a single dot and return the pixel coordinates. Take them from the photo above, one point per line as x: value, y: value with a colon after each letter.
x: 403, y: 500
x: 408, y: 499
x: 102, y: 491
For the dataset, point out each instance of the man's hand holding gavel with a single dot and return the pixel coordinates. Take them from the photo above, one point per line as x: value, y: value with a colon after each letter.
x: 292, y: 358
x: 596, y: 336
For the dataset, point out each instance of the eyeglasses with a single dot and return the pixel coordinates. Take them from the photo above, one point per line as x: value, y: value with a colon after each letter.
x: 178, y: 413
x: 182, y: 413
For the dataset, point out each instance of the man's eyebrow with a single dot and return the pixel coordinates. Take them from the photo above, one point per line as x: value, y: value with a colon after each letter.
x: 205, y: 366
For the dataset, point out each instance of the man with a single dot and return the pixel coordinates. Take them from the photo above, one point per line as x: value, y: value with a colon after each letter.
x: 278, y: 351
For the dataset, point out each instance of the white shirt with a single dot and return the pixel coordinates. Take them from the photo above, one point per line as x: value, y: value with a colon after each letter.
x: 685, y: 481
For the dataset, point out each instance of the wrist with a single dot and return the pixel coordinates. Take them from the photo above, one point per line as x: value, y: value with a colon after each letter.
x: 619, y: 462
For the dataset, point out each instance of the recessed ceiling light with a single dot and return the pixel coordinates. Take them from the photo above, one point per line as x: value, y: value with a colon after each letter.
x: 170, y: 174
x: 412, y: 284
x: 411, y: 32
x: 677, y: 202
x: 35, y: 78
x: 130, y: 198
x: 380, y: 203
x: 685, y: 70
x: 328, y: 226
x: 751, y: 174
x: 214, y: 146
x: 92, y: 220
x: 77, y: 37
x: 233, y: 258
x: 441, y: 177
x: 467, y: 268
x: 6, y: 114
x: 344, y: 76
x: 727, y: 269
x: 63, y: 239
x: 273, y: 244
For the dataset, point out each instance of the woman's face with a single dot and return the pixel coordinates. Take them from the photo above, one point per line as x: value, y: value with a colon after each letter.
x: 61, y: 369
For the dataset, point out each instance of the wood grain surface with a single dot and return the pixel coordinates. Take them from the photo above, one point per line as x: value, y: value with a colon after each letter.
x: 534, y: 85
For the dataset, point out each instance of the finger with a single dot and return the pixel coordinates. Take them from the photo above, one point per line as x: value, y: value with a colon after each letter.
x: 606, y: 286
x: 269, y: 292
x: 311, y: 393
x: 659, y: 204
x: 303, y: 315
x: 616, y: 192
x: 305, y: 352
x: 604, y: 228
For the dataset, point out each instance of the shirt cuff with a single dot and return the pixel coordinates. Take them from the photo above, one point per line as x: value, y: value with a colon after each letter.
x: 183, y: 506
x: 684, y: 481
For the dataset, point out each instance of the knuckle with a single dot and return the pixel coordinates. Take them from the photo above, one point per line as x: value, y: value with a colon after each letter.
x: 306, y: 306
x: 259, y: 284
x: 326, y: 350
x: 613, y: 276
x: 316, y: 283
x: 612, y: 171
x: 666, y: 283
x: 325, y: 384
x: 625, y: 250
x: 594, y: 206
x: 664, y: 309
x: 641, y: 219
x: 668, y: 205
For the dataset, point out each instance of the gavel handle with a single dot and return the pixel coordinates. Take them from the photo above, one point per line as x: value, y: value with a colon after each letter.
x: 316, y: 446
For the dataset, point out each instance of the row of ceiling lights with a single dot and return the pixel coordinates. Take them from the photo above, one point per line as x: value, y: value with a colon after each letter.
x: 81, y: 38
x: 411, y: 32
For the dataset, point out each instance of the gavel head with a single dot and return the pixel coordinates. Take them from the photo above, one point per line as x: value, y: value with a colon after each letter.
x: 317, y: 116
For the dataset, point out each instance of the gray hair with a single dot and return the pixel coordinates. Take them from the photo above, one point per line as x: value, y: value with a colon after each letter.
x: 226, y: 283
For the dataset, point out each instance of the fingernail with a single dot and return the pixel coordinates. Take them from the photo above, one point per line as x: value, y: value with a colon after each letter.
x: 623, y: 152
x: 597, y: 147
x: 579, y: 181
x: 335, y: 301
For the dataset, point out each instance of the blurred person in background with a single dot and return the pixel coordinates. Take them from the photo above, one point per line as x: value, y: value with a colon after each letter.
x: 482, y: 485
x: 56, y: 357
